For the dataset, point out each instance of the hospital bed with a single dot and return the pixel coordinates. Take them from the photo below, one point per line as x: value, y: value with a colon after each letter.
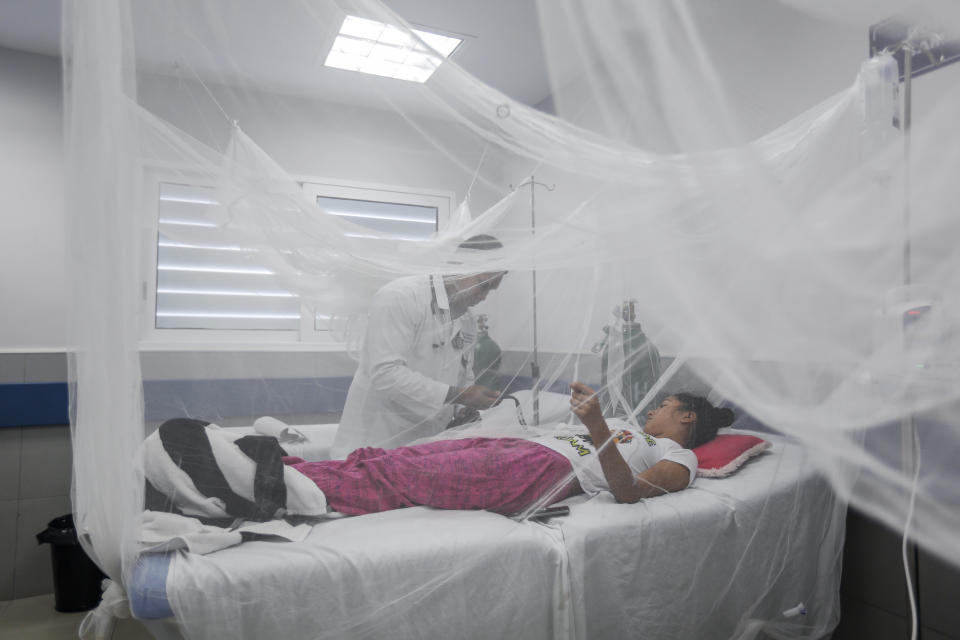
x: 707, y: 562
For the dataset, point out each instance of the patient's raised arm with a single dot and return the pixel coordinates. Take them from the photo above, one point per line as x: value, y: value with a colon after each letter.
x: 620, y: 478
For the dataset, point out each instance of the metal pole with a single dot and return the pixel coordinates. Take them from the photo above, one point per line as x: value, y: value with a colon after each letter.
x: 908, y: 429
x: 535, y: 365
x: 907, y: 435
x: 907, y: 101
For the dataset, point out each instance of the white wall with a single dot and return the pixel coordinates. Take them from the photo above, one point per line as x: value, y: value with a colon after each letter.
x: 327, y: 142
x: 324, y: 139
x: 772, y: 62
x: 32, y: 270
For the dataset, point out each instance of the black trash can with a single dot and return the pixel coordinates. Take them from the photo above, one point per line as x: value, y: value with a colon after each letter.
x: 76, y: 579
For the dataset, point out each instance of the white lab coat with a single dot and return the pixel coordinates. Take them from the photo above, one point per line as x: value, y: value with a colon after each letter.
x: 413, y: 352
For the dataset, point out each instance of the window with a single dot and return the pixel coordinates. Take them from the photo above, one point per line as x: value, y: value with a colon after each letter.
x: 209, y: 289
x: 204, y: 283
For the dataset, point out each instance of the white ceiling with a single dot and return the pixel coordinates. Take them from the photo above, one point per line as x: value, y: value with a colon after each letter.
x: 501, y: 47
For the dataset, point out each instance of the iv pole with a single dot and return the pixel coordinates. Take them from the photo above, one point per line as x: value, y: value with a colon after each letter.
x: 895, y: 36
x: 535, y: 365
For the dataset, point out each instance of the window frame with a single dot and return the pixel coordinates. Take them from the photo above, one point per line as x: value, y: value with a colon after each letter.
x: 314, y: 187
x: 153, y: 338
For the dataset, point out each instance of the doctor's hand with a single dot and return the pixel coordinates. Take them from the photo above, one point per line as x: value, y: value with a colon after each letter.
x: 477, y: 396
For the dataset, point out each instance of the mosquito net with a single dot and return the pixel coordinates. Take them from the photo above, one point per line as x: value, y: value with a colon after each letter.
x: 728, y: 199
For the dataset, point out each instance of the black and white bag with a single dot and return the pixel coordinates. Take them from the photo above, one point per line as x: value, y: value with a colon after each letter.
x: 201, y: 470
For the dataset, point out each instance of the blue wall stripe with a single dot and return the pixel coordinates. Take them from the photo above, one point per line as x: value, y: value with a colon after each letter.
x: 33, y: 403
x: 212, y: 399
x: 46, y: 403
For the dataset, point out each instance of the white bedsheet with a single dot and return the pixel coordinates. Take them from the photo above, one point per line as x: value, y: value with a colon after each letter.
x: 413, y: 573
x: 696, y: 563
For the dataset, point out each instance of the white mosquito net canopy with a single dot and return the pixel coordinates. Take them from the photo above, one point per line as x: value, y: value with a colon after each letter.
x: 788, y: 246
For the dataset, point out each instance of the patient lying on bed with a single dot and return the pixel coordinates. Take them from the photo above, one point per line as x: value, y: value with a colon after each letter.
x: 507, y: 475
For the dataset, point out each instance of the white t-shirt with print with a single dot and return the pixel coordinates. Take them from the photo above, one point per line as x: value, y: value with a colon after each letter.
x: 639, y: 449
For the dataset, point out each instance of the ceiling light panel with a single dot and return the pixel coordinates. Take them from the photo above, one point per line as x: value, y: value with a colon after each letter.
x: 381, y: 49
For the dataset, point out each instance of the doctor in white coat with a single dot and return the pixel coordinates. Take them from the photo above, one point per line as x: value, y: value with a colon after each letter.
x: 416, y: 364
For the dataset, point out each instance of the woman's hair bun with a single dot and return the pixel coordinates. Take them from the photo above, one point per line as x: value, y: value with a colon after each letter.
x: 709, y: 418
x: 722, y: 417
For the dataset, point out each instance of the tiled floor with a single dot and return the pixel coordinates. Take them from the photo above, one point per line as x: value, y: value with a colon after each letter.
x: 35, y: 619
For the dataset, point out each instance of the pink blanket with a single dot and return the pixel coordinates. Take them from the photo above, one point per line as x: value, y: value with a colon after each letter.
x: 504, y: 475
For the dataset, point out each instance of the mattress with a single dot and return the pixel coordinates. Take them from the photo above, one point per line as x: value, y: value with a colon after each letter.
x: 700, y: 563
x: 360, y: 577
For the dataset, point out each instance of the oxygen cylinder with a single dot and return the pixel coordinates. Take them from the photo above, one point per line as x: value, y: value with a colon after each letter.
x: 627, y: 354
x: 486, y: 356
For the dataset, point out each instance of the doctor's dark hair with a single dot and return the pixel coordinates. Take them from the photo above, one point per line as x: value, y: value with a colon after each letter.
x: 482, y: 242
x: 709, y: 418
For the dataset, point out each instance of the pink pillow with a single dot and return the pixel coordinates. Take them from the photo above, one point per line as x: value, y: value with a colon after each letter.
x: 726, y: 453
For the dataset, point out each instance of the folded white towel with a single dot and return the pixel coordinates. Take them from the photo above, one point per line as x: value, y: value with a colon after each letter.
x: 280, y: 430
